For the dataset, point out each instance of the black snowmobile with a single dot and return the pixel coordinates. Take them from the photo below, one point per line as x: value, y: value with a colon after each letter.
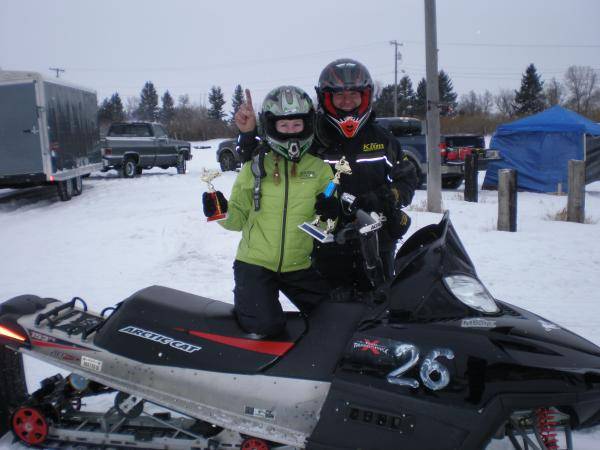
x: 426, y: 361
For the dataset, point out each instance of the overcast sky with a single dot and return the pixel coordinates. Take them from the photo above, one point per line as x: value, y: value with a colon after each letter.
x: 187, y: 46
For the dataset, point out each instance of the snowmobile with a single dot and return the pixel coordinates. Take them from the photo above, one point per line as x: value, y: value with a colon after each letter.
x: 428, y: 360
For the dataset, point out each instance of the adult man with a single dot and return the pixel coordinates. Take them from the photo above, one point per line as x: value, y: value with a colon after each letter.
x: 382, y: 180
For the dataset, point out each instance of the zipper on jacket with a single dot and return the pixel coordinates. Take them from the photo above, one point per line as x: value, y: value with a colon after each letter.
x: 285, y: 204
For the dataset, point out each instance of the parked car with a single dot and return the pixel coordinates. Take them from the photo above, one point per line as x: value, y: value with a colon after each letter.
x: 454, y: 148
x: 48, y: 133
x: 227, y: 155
x: 130, y: 147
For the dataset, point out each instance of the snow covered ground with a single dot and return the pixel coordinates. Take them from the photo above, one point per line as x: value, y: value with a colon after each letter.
x: 122, y: 235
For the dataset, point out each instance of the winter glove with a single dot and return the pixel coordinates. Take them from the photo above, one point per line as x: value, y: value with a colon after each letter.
x: 327, y: 207
x: 397, y: 224
x: 209, y: 205
x: 370, y: 202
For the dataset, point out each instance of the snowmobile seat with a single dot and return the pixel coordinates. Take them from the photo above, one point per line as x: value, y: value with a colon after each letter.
x: 190, y: 331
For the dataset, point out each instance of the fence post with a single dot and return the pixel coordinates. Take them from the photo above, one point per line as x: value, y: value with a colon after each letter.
x: 471, y: 173
x: 507, y: 200
x: 576, y: 198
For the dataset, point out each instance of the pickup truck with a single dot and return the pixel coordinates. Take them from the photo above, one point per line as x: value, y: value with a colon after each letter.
x: 130, y: 147
x: 454, y: 148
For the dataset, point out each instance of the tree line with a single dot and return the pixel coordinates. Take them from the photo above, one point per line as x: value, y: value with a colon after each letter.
x: 183, y: 120
x: 473, y: 112
x: 482, y: 113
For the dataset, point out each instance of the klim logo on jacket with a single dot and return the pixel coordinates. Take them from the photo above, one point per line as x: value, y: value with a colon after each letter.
x: 165, y: 340
x: 372, y: 146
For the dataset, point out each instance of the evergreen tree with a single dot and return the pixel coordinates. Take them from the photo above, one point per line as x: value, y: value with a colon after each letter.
x: 216, y: 100
x: 168, y: 108
x: 148, y: 108
x: 384, y: 104
x: 406, y: 96
x: 447, y: 94
x: 529, y: 99
x: 118, y: 111
x: 420, y: 104
x: 236, y: 100
x: 111, y: 109
x: 104, y: 111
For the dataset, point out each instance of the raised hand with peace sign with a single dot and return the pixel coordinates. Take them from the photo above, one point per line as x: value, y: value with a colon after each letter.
x: 245, y: 118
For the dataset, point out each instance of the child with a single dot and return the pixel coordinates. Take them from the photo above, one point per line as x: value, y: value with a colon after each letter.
x: 273, y: 194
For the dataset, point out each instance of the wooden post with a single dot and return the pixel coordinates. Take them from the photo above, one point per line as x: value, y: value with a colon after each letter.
x: 507, y: 200
x: 471, y: 174
x: 576, y: 199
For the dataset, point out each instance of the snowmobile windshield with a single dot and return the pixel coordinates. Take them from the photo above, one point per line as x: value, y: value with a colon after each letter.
x: 432, y: 253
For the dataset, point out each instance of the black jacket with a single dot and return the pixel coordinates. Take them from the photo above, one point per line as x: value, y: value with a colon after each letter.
x: 375, y: 157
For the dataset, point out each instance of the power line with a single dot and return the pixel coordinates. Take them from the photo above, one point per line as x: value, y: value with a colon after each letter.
x: 478, y: 44
x: 226, y: 64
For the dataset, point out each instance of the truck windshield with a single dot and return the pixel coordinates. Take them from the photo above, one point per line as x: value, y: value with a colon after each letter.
x: 465, y: 141
x: 129, y: 130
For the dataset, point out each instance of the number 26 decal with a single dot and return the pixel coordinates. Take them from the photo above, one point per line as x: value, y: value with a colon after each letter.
x: 433, y: 374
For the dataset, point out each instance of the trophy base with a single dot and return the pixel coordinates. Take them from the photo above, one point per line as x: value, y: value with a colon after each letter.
x: 317, y: 233
x: 216, y: 217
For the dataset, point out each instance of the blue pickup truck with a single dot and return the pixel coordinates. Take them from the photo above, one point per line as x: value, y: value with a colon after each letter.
x: 409, y: 132
x: 454, y: 148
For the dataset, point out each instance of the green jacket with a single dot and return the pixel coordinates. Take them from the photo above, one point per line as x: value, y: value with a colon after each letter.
x: 270, y: 236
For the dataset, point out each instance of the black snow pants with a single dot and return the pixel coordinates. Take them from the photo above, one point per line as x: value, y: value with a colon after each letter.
x: 256, y: 295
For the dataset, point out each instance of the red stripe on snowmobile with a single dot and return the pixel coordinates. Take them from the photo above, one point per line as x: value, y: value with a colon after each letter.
x: 53, y: 345
x: 268, y: 347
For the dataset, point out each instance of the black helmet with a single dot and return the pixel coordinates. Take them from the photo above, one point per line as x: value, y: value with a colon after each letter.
x: 288, y: 102
x: 345, y: 75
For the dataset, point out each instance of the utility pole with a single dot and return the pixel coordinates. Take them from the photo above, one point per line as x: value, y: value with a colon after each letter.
x: 57, y: 70
x: 434, y: 167
x: 395, y: 44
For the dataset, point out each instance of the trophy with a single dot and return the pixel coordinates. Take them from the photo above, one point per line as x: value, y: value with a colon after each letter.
x: 325, y: 235
x: 207, y: 176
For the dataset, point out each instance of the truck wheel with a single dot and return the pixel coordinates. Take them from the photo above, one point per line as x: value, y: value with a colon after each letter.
x: 65, y: 189
x: 129, y: 168
x: 77, y: 186
x: 452, y: 183
x: 181, y: 164
x: 13, y: 389
x: 227, y: 161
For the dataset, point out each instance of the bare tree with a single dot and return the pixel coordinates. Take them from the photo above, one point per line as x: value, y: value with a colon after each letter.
x: 486, y: 102
x: 505, y: 101
x: 468, y: 104
x: 584, y: 89
x: 473, y: 104
x: 554, y: 92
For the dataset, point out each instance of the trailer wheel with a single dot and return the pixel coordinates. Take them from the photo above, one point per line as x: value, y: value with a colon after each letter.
x: 129, y: 168
x: 13, y: 388
x: 181, y: 164
x: 77, y: 186
x: 65, y: 189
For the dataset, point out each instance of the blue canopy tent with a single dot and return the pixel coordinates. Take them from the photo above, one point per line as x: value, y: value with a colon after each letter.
x: 539, y: 148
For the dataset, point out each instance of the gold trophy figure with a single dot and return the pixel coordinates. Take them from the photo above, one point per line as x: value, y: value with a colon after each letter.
x: 208, y: 176
x: 342, y: 167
